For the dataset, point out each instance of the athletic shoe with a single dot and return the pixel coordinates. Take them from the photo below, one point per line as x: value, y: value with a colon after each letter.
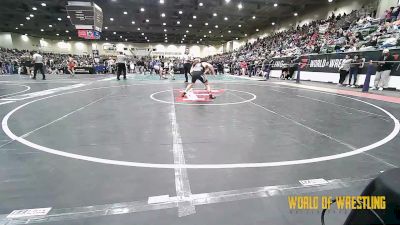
x: 183, y: 94
x: 373, y: 88
x: 348, y: 85
x: 186, y: 82
x: 381, y: 89
x: 353, y: 86
x: 212, y: 96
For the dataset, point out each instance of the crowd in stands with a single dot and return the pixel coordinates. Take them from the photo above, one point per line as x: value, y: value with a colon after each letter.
x: 13, y: 61
x: 356, y: 31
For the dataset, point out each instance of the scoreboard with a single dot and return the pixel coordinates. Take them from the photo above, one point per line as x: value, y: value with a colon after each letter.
x: 85, y: 15
x: 89, y: 34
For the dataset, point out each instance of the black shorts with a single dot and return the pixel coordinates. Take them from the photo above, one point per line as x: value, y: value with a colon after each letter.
x: 200, y: 77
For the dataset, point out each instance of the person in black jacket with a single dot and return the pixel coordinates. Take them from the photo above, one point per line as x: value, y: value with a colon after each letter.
x: 186, y: 68
x: 384, y: 68
x: 293, y: 67
x: 354, y: 70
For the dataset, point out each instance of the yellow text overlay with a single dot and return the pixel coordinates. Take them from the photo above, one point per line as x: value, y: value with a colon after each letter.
x: 342, y: 202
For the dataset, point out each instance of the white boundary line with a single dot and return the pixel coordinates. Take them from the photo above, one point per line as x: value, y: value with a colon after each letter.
x: 246, y: 78
x: 19, y: 92
x: 7, y: 102
x: 254, y: 97
x: 341, y: 142
x: 385, y: 140
x: 302, y: 125
x: 45, y: 92
x: 182, y: 185
x: 79, y: 213
x: 63, y: 117
x: 330, y: 103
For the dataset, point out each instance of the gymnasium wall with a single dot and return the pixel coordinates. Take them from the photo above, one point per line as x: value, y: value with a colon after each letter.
x: 6, y: 40
x: 384, y: 5
x: 22, y: 42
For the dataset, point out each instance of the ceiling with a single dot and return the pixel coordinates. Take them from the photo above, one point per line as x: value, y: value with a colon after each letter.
x: 239, y: 24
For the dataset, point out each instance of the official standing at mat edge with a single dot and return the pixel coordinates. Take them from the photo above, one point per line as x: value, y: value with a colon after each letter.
x: 121, y: 65
x: 38, y: 65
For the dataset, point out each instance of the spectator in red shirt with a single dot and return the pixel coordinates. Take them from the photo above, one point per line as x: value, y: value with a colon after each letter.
x: 243, y: 67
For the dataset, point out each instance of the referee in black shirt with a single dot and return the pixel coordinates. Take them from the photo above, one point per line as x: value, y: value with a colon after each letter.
x: 38, y: 65
x: 121, y: 65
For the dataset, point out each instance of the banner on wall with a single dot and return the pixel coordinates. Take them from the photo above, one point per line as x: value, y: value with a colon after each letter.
x: 330, y: 63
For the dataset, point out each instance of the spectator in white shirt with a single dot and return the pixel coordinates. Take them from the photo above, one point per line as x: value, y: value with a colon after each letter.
x: 344, y: 69
x: 171, y: 69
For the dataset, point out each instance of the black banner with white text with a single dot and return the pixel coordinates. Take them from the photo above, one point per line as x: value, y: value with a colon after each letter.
x: 330, y: 63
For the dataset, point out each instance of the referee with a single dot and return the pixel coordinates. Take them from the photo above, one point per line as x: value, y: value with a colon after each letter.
x: 186, y: 68
x: 121, y: 65
x: 38, y: 65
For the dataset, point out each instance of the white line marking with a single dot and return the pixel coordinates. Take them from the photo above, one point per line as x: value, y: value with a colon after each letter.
x: 19, y: 92
x: 79, y: 213
x: 54, y: 121
x: 45, y: 92
x: 158, y: 199
x: 380, y: 160
x: 313, y: 182
x: 330, y: 103
x: 302, y: 125
x: 318, y: 91
x: 108, y: 79
x: 63, y: 117
x: 305, y: 126
x: 379, y: 143
x: 8, y: 142
x: 28, y: 213
x: 152, y: 96
x: 7, y: 102
x: 246, y: 78
x: 182, y: 185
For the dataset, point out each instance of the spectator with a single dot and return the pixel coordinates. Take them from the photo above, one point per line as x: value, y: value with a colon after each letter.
x: 354, y: 70
x: 344, y: 69
x: 292, y: 67
x: 385, y: 66
x: 395, y: 13
x: 285, y: 71
x: 243, y: 67
x: 388, y: 15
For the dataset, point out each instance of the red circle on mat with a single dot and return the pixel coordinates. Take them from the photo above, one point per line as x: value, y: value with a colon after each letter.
x: 196, y: 95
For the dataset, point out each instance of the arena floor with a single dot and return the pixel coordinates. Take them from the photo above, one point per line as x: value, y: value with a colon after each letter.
x: 98, y: 151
